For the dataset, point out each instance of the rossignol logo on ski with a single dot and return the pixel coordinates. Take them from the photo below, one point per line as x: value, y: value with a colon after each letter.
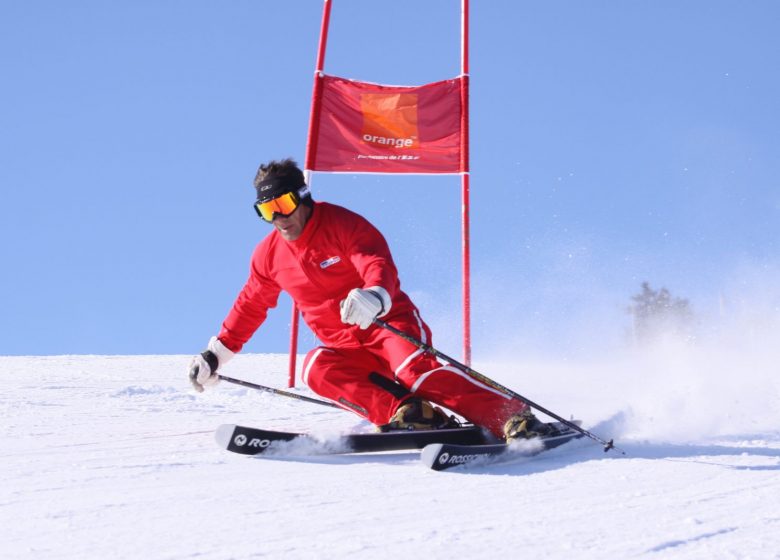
x: 447, y: 459
x: 241, y: 440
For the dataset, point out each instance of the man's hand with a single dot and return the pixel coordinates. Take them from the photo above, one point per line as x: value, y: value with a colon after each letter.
x: 361, y: 306
x: 203, y: 368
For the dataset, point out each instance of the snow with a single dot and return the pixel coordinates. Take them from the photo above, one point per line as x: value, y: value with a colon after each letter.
x: 114, y: 457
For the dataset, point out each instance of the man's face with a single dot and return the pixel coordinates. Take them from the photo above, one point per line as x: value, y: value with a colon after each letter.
x: 291, y: 227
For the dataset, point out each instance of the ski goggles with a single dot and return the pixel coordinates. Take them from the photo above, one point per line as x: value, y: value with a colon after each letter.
x: 283, y: 205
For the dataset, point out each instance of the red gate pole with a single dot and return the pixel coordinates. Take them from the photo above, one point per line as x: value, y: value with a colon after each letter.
x: 311, y: 151
x: 316, y: 97
x: 293, y: 346
x: 464, y: 166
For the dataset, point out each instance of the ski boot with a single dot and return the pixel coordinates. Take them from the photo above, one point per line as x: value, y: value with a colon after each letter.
x: 417, y: 414
x: 526, y: 426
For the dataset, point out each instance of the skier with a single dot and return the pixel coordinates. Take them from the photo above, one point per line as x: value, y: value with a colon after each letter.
x: 339, y: 271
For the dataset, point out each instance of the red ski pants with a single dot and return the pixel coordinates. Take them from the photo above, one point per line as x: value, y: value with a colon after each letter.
x: 343, y: 375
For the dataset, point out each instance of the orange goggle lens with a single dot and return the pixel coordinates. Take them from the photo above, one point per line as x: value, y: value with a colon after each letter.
x: 283, y: 205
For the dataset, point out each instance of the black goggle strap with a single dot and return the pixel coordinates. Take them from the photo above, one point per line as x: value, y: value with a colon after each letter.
x: 296, y: 196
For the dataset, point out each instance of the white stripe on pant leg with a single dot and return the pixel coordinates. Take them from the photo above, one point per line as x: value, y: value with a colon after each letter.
x: 464, y: 375
x: 416, y: 353
x: 306, y: 370
x: 405, y: 363
x: 423, y: 335
x: 305, y: 376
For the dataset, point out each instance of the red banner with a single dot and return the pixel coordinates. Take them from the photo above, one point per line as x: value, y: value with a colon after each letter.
x: 362, y: 127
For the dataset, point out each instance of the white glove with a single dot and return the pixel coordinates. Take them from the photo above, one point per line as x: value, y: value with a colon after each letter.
x: 361, y: 306
x: 203, y: 368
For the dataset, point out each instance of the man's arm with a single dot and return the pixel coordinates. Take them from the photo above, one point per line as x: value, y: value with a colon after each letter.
x: 249, y: 311
x: 370, y: 255
x: 247, y: 314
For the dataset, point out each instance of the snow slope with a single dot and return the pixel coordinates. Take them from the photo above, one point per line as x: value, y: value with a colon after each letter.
x: 114, y: 457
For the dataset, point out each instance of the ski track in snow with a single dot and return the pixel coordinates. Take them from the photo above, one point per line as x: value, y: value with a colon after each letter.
x: 114, y: 457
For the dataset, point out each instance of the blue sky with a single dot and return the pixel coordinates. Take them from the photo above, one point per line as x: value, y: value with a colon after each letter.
x: 612, y: 142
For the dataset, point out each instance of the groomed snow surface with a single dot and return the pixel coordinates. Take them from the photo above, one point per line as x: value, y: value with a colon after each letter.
x: 114, y: 457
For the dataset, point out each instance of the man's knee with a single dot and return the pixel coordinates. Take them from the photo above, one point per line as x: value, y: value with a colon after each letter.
x: 315, y: 365
x: 411, y: 373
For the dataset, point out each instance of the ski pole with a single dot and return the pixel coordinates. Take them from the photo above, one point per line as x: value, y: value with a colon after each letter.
x: 276, y: 391
x: 495, y: 385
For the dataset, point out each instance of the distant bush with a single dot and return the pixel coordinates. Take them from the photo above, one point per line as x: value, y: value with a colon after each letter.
x: 657, y: 313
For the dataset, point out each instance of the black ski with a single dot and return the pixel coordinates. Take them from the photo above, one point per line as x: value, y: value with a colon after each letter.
x: 254, y: 441
x: 442, y: 456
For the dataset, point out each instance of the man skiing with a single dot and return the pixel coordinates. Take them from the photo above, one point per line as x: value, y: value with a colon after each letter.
x: 339, y: 271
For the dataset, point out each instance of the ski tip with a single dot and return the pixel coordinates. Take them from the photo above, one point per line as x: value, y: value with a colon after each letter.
x: 224, y: 434
x: 430, y: 454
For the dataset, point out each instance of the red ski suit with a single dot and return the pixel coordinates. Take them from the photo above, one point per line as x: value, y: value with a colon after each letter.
x: 337, y: 251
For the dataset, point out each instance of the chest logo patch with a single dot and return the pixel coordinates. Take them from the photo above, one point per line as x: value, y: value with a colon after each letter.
x: 330, y: 262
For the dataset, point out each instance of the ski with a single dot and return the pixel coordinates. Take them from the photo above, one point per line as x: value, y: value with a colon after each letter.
x: 443, y: 456
x: 256, y: 441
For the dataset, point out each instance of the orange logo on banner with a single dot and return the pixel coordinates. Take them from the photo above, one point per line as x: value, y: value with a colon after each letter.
x: 390, y: 119
x: 371, y: 128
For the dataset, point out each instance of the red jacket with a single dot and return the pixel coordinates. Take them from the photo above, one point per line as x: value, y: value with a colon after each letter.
x: 337, y: 251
